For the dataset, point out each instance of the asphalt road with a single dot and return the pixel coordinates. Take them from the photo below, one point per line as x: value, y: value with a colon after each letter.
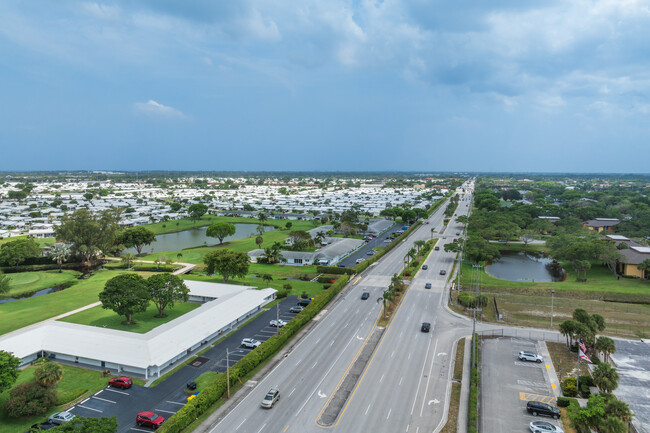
x: 169, y: 396
x: 406, y: 383
x: 362, y: 253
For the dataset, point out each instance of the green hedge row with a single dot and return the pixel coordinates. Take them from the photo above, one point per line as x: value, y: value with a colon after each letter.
x: 213, y: 392
x: 335, y: 270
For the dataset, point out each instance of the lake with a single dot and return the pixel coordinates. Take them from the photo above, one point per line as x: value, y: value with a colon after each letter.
x: 521, y: 267
x: 194, y: 238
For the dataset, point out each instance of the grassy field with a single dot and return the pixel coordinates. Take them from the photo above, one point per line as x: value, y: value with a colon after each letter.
x: 28, y: 282
x: 565, y: 361
x: 40, y: 242
x: 142, y: 322
x: 75, y: 383
x: 18, y: 314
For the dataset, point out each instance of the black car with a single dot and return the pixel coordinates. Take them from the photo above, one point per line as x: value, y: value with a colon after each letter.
x: 539, y: 408
x: 365, y: 295
x: 427, y: 286
x: 303, y: 302
x: 426, y: 327
x: 41, y: 427
x: 425, y: 267
x: 443, y: 272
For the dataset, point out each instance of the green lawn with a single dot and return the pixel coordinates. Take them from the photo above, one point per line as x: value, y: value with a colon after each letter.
x: 40, y: 242
x: 143, y: 322
x: 27, y: 282
x: 75, y: 383
x: 297, y: 286
x: 18, y: 314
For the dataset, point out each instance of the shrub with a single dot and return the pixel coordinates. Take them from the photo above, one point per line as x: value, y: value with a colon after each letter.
x: 326, y: 279
x: 563, y: 401
x: 415, y: 263
x: 30, y: 399
x: 335, y: 270
x: 282, y: 293
x: 569, y: 387
x: 326, y: 286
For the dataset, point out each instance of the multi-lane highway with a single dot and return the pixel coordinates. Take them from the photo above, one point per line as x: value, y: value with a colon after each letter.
x: 405, y: 385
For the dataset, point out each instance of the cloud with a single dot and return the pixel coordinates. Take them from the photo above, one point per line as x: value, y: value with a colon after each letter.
x: 153, y: 108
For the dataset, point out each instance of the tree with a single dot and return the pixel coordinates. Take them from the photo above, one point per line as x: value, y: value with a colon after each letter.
x: 125, y: 294
x: 610, y: 256
x: 479, y: 250
x: 127, y: 258
x: 419, y: 244
x: 300, y: 239
x: 8, y: 370
x: 89, y: 233
x: 165, y: 290
x: 48, y: 374
x: 605, y: 377
x: 16, y: 195
x: 618, y: 409
x: 612, y: 425
x: 606, y: 346
x: 14, y: 253
x: 30, y: 399
x: 220, y: 231
x: 136, y: 237
x: 463, y: 219
x: 386, y: 298
x: 228, y: 263
x: 259, y: 240
x: 568, y: 329
x: 196, y: 211
x: 267, y: 278
x: 262, y: 217
x: 273, y: 254
x: 175, y: 206
x: 288, y: 225
x: 5, y: 285
x: 89, y: 425
x: 643, y: 266
x: 60, y: 252
x: 527, y: 236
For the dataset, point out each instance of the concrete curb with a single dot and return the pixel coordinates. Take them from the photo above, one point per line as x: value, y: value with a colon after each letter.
x: 461, y: 426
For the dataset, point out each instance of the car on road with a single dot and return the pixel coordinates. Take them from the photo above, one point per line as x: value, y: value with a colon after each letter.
x: 387, y: 241
x: 149, y: 419
x: 427, y: 286
x: 296, y: 309
x: 371, y: 253
x: 277, y: 323
x: 457, y: 233
x: 271, y: 398
x: 60, y: 417
x: 426, y: 222
x: 538, y: 408
x: 250, y: 343
x: 530, y: 356
x: 426, y: 327
x: 443, y: 272
x: 121, y: 382
x: 359, y: 260
x: 425, y: 267
x: 436, y: 248
x: 365, y: 295
x: 544, y: 427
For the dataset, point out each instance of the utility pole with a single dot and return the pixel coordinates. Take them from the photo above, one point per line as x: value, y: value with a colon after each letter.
x: 227, y: 373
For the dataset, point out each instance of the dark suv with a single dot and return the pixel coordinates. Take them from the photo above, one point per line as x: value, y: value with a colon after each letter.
x: 539, y: 408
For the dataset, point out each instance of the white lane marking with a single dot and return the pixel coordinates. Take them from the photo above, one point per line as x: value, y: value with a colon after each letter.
x: 139, y: 429
x: 119, y: 392
x: 332, y: 343
x: 426, y: 389
x: 90, y: 408
x: 409, y: 357
x: 161, y: 410
x: 382, y: 378
x: 237, y: 428
x: 262, y: 428
x: 317, y: 341
x: 84, y: 401
x: 103, y: 399
x: 175, y: 402
x: 299, y: 361
x: 389, y: 411
x: 292, y: 391
x: 400, y: 381
x: 424, y: 364
x: 392, y: 354
x: 314, y: 364
x: 367, y: 409
x: 99, y: 392
x: 407, y: 427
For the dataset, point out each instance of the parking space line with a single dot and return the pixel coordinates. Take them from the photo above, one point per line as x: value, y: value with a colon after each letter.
x: 103, y: 399
x: 175, y: 402
x: 119, y: 392
x: 139, y: 429
x: 90, y: 408
x: 536, y: 397
x: 161, y: 410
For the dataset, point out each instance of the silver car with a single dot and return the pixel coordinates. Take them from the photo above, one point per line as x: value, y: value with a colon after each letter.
x: 530, y: 356
x: 271, y: 398
x: 544, y: 427
x: 250, y: 343
x: 61, y: 417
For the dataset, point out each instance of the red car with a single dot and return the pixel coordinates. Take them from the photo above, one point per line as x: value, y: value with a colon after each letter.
x: 149, y: 419
x: 121, y: 382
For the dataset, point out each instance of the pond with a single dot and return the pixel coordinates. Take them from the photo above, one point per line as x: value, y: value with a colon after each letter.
x: 194, y: 238
x: 520, y: 266
x: 37, y: 293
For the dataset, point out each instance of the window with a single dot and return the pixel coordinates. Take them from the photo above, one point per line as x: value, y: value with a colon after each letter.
x: 297, y: 260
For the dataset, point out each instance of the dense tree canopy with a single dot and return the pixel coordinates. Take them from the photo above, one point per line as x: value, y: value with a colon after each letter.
x: 220, y: 231
x: 125, y: 294
x: 166, y: 289
x: 136, y: 237
x: 16, y: 252
x: 227, y: 263
x: 8, y: 370
x: 89, y: 233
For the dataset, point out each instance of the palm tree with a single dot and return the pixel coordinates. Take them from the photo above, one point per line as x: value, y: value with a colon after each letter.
x: 419, y: 244
x: 179, y: 256
x: 48, y: 374
x: 262, y: 217
x: 128, y: 258
x: 644, y: 266
x: 618, y: 409
x: 432, y: 232
x: 259, y: 240
x: 605, y: 377
x: 412, y: 253
x: 387, y: 297
x: 567, y: 328
x: 612, y: 425
x: 267, y: 278
x: 60, y: 253
x: 605, y: 345
x: 397, y: 282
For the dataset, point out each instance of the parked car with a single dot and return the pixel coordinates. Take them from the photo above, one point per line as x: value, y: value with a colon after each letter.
x: 359, y: 260
x: 426, y: 327
x: 371, y: 253
x: 296, y: 309
x: 530, y: 356
x: 425, y: 267
x: 544, y: 427
x: 149, y: 419
x: 303, y: 302
x: 387, y: 241
x: 427, y: 286
x: 271, y: 398
x: 121, y: 382
x: 457, y: 233
x: 539, y: 408
x: 250, y: 343
x: 41, y: 427
x: 443, y: 272
x: 436, y: 248
x: 277, y: 323
x: 60, y: 417
x: 365, y: 295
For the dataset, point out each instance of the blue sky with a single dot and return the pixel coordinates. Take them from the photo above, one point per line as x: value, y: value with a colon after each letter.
x: 504, y: 85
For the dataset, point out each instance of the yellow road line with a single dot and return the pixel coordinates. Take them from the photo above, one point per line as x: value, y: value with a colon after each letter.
x: 285, y: 429
x: 357, y: 280
x: 536, y: 397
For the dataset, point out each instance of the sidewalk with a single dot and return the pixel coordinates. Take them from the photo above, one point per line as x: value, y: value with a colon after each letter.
x: 461, y: 426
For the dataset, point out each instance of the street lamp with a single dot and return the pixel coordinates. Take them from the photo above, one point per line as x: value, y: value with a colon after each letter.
x: 552, y: 296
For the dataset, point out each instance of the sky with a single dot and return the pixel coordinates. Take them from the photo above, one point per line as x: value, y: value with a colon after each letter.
x: 327, y: 85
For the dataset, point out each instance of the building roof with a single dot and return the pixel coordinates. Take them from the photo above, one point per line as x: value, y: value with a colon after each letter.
x: 602, y: 222
x: 154, y: 348
x: 635, y: 254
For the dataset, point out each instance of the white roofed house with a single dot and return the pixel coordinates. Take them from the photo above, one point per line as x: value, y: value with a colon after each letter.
x: 327, y: 255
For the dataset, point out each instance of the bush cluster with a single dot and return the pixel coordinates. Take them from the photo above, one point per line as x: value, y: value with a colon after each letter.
x: 215, y: 390
x: 30, y: 399
x: 569, y: 387
x: 335, y: 270
x: 468, y: 300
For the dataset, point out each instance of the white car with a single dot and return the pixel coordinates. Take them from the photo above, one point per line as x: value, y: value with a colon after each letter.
x: 544, y: 427
x: 61, y: 417
x: 530, y: 356
x: 359, y: 260
x: 277, y: 323
x: 250, y: 343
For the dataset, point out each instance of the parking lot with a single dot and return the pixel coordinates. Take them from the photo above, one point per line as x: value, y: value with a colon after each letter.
x: 168, y: 397
x: 507, y: 383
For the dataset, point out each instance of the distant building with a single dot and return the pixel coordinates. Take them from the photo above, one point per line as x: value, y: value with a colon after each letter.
x: 601, y: 224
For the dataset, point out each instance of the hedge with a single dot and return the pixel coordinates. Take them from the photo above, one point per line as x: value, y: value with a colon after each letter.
x: 335, y: 270
x: 213, y: 392
x: 564, y: 401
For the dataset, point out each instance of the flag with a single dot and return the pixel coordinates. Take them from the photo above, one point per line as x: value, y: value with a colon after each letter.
x: 584, y: 357
x: 582, y: 345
